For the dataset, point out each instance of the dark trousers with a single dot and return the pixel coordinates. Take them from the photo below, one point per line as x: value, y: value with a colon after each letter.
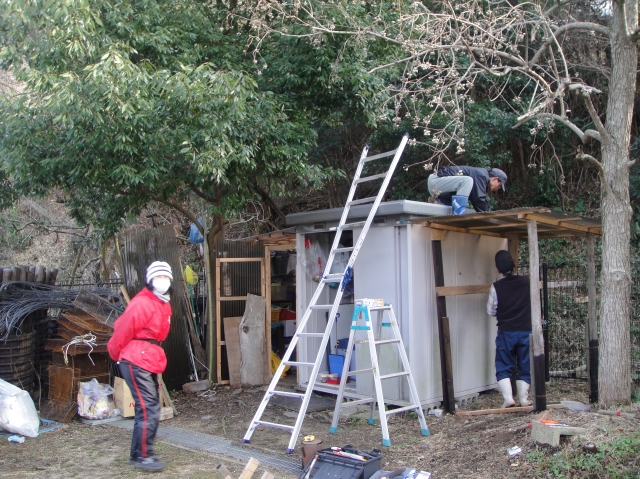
x: 144, y: 389
x: 509, y: 346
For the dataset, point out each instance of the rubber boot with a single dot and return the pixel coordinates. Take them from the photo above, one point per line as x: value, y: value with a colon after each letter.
x: 459, y: 204
x: 523, y: 392
x: 507, y: 394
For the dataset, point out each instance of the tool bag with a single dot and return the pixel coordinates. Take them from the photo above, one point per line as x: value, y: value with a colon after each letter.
x: 329, y: 463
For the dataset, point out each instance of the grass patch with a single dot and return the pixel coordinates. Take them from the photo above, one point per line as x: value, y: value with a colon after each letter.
x: 617, y: 459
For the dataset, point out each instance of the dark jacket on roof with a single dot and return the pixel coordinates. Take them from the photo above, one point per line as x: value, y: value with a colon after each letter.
x: 478, y: 196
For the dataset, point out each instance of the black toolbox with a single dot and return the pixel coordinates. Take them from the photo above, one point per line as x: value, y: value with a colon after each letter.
x: 328, y: 464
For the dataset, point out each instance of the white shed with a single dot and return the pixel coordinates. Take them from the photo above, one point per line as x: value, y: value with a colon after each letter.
x: 395, y: 264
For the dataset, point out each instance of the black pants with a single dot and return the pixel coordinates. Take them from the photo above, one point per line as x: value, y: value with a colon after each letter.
x: 144, y: 389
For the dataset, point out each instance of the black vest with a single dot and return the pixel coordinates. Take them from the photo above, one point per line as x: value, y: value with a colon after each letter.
x: 514, y: 303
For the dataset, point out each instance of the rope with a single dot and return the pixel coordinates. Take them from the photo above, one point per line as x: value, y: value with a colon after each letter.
x: 87, y: 339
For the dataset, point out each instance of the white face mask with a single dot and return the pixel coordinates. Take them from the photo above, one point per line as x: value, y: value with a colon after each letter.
x: 161, y: 285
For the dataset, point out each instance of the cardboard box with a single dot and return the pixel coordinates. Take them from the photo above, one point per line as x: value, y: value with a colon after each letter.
x: 123, y: 398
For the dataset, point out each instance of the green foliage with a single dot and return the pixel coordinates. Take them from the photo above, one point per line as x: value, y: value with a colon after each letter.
x: 125, y: 103
x: 616, y: 459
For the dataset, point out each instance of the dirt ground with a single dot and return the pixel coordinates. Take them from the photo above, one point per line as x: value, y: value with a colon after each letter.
x: 458, y: 447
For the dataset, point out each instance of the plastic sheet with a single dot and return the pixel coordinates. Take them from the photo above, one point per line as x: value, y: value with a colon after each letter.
x: 94, y: 402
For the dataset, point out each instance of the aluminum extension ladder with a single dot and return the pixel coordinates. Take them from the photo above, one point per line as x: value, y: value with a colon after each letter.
x: 342, y: 278
x: 362, y: 311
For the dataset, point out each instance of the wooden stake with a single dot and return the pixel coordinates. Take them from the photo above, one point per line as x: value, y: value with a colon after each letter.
x: 592, y: 323
x: 125, y: 295
x: 249, y: 469
x: 224, y: 472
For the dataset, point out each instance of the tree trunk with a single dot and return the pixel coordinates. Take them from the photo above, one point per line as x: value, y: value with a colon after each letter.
x: 614, y: 371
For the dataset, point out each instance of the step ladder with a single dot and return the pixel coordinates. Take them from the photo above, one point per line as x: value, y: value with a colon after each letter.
x: 343, y: 279
x: 362, y: 322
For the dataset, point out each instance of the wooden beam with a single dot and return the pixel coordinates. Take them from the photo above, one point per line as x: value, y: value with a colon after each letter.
x: 592, y: 323
x: 438, y: 226
x: 563, y: 224
x: 540, y: 403
x: 497, y: 214
x: 232, y: 298
x: 218, y: 323
x: 513, y: 247
x: 460, y: 290
x: 448, y: 400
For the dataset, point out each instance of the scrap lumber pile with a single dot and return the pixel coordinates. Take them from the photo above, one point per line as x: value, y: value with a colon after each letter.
x: 79, y: 353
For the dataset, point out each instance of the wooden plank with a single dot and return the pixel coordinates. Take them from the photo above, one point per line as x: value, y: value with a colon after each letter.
x: 460, y: 290
x: 563, y: 224
x: 540, y: 403
x: 238, y: 260
x: 482, y: 412
x: 491, y: 215
x: 437, y: 235
x: 441, y: 306
x: 592, y: 323
x: 232, y: 340
x: 231, y: 298
x: 249, y: 469
x: 448, y: 364
x: 167, y: 399
x: 266, y: 475
x: 224, y: 472
x: 252, y: 334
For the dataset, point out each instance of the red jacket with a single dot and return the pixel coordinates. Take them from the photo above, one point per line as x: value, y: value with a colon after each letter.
x: 146, y: 317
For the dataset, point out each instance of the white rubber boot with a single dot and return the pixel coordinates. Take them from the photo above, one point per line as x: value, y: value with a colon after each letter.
x: 523, y: 392
x: 507, y: 394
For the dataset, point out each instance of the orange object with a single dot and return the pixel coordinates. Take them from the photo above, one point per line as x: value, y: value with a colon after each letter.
x: 547, y: 421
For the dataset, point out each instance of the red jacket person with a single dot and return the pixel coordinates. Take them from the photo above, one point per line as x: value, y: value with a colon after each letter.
x: 135, y: 345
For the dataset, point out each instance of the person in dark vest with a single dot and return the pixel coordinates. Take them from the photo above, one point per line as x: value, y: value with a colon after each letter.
x: 510, y: 302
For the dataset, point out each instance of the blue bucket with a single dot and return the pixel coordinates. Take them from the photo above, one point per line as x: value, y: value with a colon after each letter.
x: 459, y: 204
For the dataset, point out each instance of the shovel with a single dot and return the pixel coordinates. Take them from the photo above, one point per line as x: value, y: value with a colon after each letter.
x: 577, y: 406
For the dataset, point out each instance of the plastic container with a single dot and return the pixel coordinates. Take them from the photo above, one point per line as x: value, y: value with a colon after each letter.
x: 336, y: 363
x: 287, y: 314
x: 330, y: 465
x: 459, y: 204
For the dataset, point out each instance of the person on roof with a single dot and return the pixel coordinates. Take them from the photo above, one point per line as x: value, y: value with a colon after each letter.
x: 459, y: 184
x: 135, y: 345
x: 510, y: 302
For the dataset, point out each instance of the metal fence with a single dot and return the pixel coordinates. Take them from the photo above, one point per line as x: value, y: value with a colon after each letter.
x: 568, y: 303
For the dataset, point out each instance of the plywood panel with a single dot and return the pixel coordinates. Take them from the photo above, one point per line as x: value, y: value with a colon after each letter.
x: 232, y: 343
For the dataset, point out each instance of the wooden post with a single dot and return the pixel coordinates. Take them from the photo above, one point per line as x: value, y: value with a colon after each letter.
x: 448, y: 399
x: 211, y: 303
x: 514, y: 250
x: 545, y: 320
x: 592, y: 324
x: 540, y: 398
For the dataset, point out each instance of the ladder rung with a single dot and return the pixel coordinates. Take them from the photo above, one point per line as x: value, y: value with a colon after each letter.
x: 273, y: 424
x: 357, y: 402
x: 350, y: 226
x: 379, y: 308
x: 358, y: 371
x: 371, y: 178
x: 380, y: 155
x: 311, y: 335
x: 331, y: 278
x: 321, y: 306
x: 343, y: 250
x: 401, y: 409
x: 394, y: 375
x: 298, y: 363
x: 387, y: 341
x: 370, y: 199
x: 287, y: 394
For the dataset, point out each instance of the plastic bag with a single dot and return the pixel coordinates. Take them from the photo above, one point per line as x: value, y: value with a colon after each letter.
x: 339, y: 265
x: 314, y: 259
x: 194, y: 233
x: 94, y: 402
x: 17, y: 412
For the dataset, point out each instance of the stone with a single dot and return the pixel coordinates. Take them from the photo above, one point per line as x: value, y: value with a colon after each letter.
x: 290, y: 414
x: 546, y: 434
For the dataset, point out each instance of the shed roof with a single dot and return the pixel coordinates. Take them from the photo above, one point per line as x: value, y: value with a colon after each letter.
x: 506, y: 223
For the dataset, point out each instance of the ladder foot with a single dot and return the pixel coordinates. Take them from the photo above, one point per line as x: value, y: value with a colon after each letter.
x: 425, y: 432
x: 333, y: 430
x: 386, y: 442
x: 246, y: 441
x: 289, y: 451
x: 371, y: 421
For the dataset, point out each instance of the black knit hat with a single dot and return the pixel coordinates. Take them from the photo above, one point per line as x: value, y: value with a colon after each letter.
x: 504, y: 262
